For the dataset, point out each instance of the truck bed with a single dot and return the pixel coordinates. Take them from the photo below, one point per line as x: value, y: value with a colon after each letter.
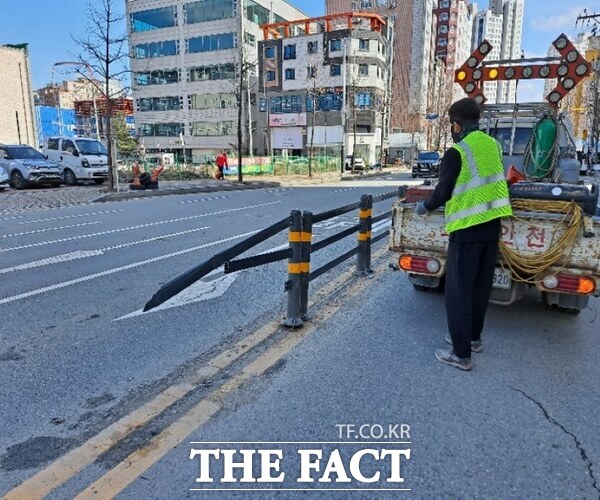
x: 528, y: 233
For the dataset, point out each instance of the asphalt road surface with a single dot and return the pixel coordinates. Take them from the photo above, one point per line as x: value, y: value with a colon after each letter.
x: 101, y: 400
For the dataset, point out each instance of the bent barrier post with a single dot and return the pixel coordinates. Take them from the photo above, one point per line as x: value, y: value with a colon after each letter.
x: 301, y: 247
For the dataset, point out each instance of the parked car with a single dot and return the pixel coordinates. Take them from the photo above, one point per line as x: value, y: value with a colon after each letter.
x: 359, y: 163
x: 27, y: 166
x: 3, y: 179
x: 80, y: 158
x: 427, y: 164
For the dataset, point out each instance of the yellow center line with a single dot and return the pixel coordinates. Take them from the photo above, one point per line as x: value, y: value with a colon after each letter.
x: 61, y: 470
x: 127, y: 471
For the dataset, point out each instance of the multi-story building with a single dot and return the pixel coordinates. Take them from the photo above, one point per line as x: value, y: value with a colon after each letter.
x: 65, y: 94
x: 17, y: 124
x: 488, y: 26
x: 502, y: 25
x: 186, y: 60
x: 413, y: 54
x: 324, y: 85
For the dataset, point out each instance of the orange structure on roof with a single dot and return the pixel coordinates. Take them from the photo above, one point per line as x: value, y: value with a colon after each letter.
x: 313, y: 25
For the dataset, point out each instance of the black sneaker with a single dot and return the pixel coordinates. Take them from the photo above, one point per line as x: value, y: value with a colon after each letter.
x: 476, y: 345
x: 448, y: 357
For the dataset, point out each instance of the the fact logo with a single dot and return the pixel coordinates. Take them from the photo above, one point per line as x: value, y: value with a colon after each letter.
x: 363, y: 463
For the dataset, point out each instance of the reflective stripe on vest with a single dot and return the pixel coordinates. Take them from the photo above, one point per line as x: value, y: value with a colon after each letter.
x: 481, y: 192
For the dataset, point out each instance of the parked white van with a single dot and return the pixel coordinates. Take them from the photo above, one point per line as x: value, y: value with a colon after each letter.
x: 80, y: 158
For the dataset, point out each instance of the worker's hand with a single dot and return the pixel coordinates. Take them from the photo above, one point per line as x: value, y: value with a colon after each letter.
x: 420, y: 208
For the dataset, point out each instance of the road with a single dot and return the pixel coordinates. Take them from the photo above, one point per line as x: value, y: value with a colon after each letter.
x: 101, y: 400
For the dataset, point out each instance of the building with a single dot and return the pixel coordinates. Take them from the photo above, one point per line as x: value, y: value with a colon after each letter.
x: 186, y: 58
x: 488, y: 26
x: 324, y: 85
x: 65, y: 94
x: 502, y: 25
x: 52, y: 121
x: 17, y: 123
x: 413, y: 54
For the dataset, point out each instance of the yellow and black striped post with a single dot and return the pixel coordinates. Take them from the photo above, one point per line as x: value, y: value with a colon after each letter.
x: 306, y: 244
x: 295, y: 269
x: 365, y: 218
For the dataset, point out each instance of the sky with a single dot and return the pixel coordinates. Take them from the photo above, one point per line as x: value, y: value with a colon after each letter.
x: 47, y: 25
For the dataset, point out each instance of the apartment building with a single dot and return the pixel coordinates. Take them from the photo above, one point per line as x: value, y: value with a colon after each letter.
x: 324, y: 84
x: 17, y: 124
x: 66, y: 93
x: 413, y: 54
x: 488, y: 26
x: 186, y: 58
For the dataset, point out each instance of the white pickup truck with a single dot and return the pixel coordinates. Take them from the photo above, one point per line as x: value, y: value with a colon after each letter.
x: 422, y: 243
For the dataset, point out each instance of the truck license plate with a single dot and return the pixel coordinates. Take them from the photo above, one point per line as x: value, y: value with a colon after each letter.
x: 502, y: 278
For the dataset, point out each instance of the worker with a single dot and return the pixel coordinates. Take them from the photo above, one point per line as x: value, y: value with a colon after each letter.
x: 473, y: 188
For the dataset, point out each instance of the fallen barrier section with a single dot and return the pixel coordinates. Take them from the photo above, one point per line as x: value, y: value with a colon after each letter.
x: 299, y: 226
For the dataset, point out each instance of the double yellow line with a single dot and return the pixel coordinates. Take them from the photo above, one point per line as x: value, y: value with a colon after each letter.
x: 127, y: 471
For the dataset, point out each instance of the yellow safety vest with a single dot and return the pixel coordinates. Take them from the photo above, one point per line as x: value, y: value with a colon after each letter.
x: 481, y: 192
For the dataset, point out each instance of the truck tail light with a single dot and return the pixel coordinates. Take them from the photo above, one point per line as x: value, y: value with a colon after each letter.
x: 419, y: 264
x: 569, y: 283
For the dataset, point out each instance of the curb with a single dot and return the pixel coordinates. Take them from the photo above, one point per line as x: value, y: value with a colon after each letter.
x: 130, y: 195
x: 350, y: 177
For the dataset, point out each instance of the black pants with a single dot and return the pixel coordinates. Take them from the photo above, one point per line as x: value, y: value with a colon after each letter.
x: 469, y: 275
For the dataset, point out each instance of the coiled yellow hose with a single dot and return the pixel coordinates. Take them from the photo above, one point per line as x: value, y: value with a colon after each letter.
x: 529, y: 268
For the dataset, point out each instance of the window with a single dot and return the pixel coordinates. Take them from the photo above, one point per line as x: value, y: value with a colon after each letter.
x: 212, y: 72
x: 68, y: 146
x: 444, y: 4
x: 363, y: 44
x: 270, y: 76
x: 311, y: 72
x: 158, y: 77
x: 365, y: 4
x: 440, y: 54
x: 161, y: 129
x: 249, y: 39
x: 269, y: 52
x: 213, y: 128
x: 444, y: 16
x: 313, y: 47
x: 212, y: 101
x: 286, y: 104
x: 53, y: 144
x: 331, y: 101
x: 210, y: 43
x: 172, y: 103
x: 442, y: 42
x: 147, y: 20
x: 335, y: 69
x: 443, y: 29
x: 208, y: 10
x: 362, y: 99
x: 289, y: 51
x: 259, y: 14
x: 262, y: 105
x: 290, y: 74
x: 335, y: 45
x: 363, y: 69
x: 156, y: 49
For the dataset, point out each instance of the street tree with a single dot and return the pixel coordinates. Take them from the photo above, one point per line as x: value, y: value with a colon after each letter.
x: 126, y: 144
x: 103, y: 46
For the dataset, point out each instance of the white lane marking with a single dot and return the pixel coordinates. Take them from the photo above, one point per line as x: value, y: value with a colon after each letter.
x: 200, y: 200
x: 45, y: 230
x: 63, y: 217
x: 380, y: 225
x: 343, y: 190
x: 119, y: 269
x: 334, y: 222
x: 198, y: 292
x: 122, y: 229
x: 84, y: 254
